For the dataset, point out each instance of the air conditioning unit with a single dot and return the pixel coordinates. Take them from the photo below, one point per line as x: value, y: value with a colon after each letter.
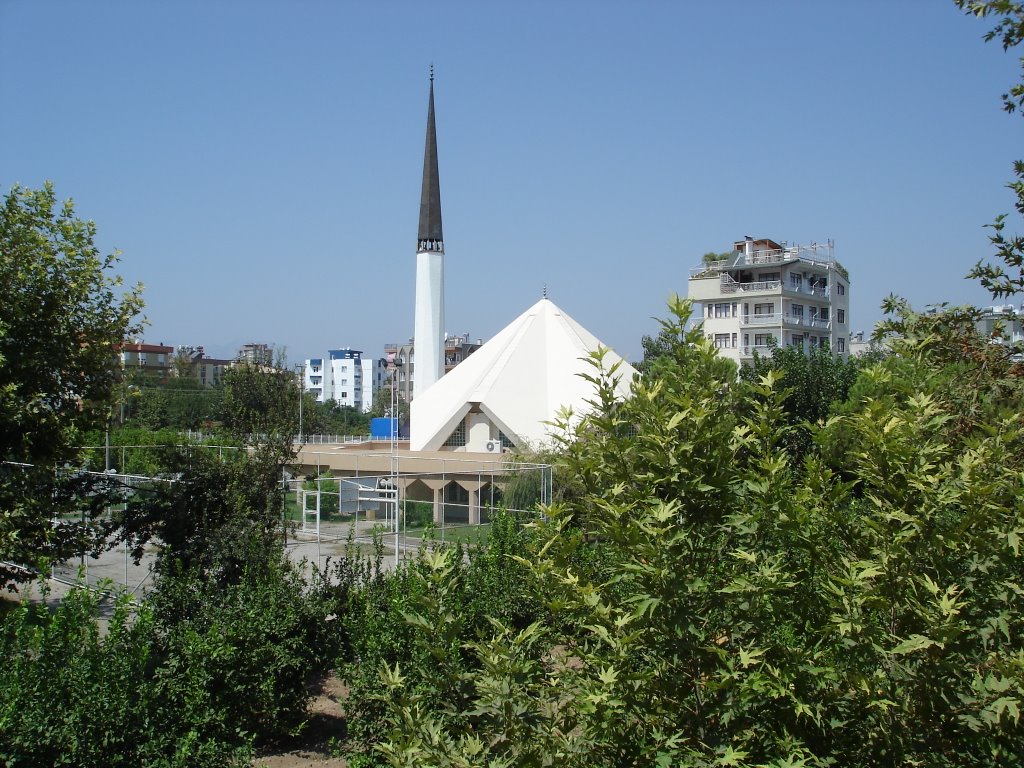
x: 493, y: 446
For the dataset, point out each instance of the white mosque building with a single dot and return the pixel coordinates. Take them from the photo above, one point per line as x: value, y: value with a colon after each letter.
x: 505, y: 394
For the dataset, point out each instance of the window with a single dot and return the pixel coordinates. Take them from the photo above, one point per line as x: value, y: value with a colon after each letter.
x: 823, y: 342
x: 734, y: 306
x: 840, y: 315
x: 721, y: 310
x: 796, y: 280
x: 798, y: 340
x: 841, y: 345
x: 840, y: 289
x: 458, y: 436
x: 711, y: 309
x: 734, y: 338
x: 797, y: 311
x: 768, y: 276
x: 764, y: 309
x: 763, y: 339
x: 721, y: 341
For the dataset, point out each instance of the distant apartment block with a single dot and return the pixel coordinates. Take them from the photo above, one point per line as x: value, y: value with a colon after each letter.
x: 208, y: 371
x: 258, y: 354
x: 403, y: 358
x: 766, y: 294
x: 342, y: 376
x: 1004, y: 318
x: 152, y: 359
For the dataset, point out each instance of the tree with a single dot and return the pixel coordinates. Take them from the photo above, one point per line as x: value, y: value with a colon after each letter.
x: 814, y: 383
x: 63, y: 312
x: 738, y: 612
x: 1004, y: 274
x: 261, y: 405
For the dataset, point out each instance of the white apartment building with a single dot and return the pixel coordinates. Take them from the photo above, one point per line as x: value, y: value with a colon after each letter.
x: 343, y: 376
x: 765, y: 293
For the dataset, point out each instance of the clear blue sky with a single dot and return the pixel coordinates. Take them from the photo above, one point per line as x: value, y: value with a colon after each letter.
x: 259, y: 163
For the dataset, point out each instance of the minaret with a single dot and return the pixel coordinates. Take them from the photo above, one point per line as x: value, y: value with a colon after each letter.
x: 428, y: 332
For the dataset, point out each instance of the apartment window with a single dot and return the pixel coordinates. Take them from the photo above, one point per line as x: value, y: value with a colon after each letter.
x: 746, y: 339
x: 721, y: 310
x: 316, y: 369
x: 764, y: 309
x: 734, y: 338
x: 763, y: 339
x: 823, y: 342
x: 768, y: 276
x: 796, y: 280
x: 841, y: 345
x: 797, y: 311
x: 721, y: 341
x: 840, y: 289
x: 734, y: 308
x: 840, y: 315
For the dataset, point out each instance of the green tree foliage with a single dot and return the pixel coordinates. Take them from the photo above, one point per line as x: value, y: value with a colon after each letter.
x: 213, y: 515
x: 742, y: 610
x: 178, y: 403
x: 261, y: 405
x: 195, y: 676
x: 62, y: 313
x: 385, y: 615
x: 814, y: 382
x: 1004, y: 274
x: 332, y: 418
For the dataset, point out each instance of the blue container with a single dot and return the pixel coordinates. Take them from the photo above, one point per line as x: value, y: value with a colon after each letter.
x: 383, y: 428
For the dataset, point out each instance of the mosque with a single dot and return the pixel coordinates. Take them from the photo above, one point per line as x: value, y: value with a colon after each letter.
x: 504, y: 394
x: 500, y: 398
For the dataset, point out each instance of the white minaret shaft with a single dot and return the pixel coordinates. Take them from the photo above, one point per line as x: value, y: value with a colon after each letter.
x: 428, y: 332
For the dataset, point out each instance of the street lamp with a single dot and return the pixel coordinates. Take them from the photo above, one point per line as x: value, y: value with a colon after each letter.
x: 298, y: 371
x: 393, y: 366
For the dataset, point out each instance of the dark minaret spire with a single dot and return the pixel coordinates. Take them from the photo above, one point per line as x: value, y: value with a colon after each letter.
x: 430, y: 237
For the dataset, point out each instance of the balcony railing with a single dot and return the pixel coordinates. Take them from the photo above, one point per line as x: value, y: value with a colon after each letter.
x: 773, y: 319
x: 815, y: 290
x: 762, y: 349
x: 777, y: 319
x: 728, y: 285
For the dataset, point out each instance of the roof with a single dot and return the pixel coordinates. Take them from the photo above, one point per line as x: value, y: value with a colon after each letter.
x: 430, y: 236
x: 519, y: 379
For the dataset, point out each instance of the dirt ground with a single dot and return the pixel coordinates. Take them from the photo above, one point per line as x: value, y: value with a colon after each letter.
x: 312, y: 747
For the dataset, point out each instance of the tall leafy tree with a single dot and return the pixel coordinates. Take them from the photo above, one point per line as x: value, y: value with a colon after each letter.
x: 1003, y: 275
x: 62, y: 313
x: 814, y: 383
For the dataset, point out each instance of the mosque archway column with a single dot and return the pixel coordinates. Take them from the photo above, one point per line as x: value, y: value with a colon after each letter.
x: 438, y: 504
x: 473, y: 488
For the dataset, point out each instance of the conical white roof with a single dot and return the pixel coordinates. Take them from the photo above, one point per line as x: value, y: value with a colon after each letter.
x: 519, y: 380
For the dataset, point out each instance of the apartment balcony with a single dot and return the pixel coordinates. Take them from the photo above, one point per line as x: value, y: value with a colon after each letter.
x: 786, y: 319
x: 728, y: 285
x: 807, y: 290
